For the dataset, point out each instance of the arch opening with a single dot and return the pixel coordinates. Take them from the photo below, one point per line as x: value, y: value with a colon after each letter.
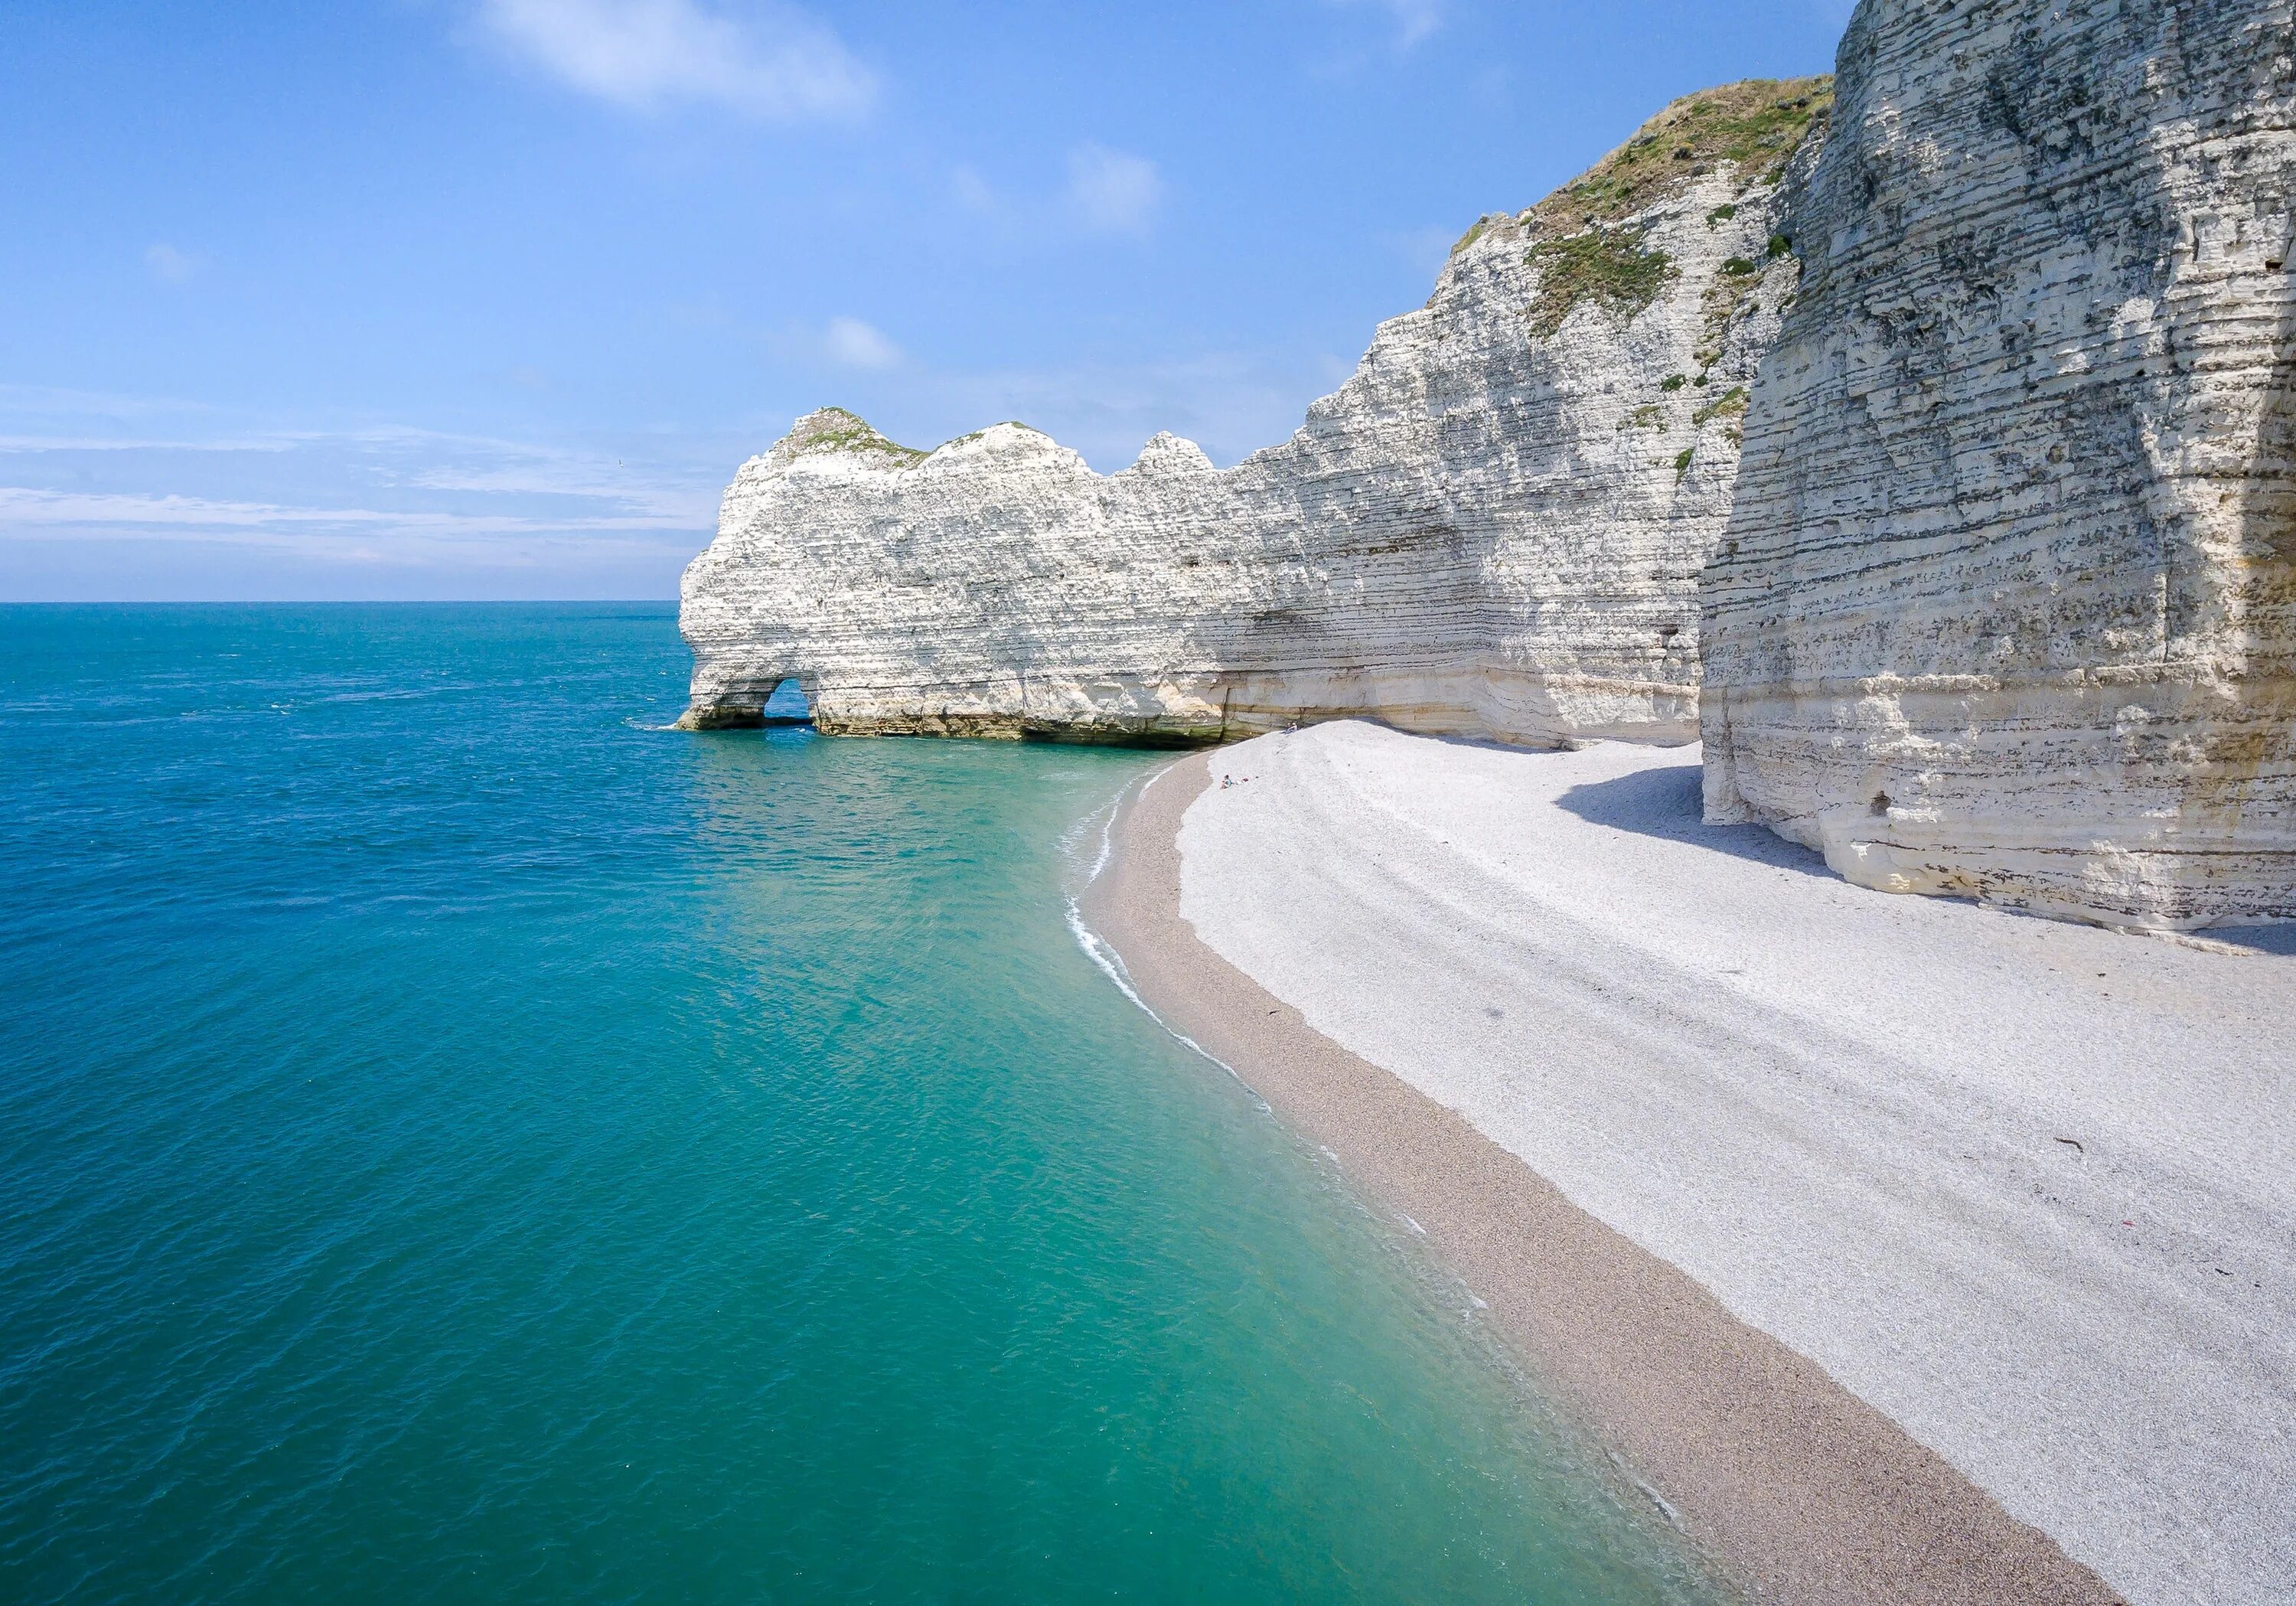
x: 788, y: 706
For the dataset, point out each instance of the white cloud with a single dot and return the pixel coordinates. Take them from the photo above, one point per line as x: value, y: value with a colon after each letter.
x: 1115, y: 192
x: 765, y: 60
x: 168, y: 265
x: 1414, y: 20
x: 859, y: 345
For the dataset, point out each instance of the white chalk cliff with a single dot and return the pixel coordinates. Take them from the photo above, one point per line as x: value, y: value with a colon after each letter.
x: 1494, y: 529
x: 2007, y: 602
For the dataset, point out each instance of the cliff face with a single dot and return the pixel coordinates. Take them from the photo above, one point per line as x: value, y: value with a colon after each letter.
x: 1494, y: 529
x: 2006, y: 606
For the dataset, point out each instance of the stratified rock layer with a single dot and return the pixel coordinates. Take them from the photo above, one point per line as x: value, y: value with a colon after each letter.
x: 1494, y: 529
x: 2007, y: 604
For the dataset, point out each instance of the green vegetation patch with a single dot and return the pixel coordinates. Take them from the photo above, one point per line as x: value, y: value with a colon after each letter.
x: 1722, y: 214
x: 1725, y: 299
x: 1471, y: 236
x: 1757, y: 124
x: 1673, y: 382
x: 969, y: 436
x: 1730, y: 404
x: 1650, y: 416
x: 835, y: 430
x: 1606, y: 266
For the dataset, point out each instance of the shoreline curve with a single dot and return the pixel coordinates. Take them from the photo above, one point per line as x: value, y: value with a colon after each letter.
x: 1797, y: 1490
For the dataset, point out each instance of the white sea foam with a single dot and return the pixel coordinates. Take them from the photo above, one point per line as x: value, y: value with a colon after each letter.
x: 1097, y: 949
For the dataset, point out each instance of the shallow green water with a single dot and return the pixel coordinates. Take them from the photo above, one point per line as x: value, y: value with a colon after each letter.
x: 460, y: 1142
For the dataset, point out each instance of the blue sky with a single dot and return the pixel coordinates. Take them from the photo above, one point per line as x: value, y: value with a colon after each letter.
x: 488, y: 297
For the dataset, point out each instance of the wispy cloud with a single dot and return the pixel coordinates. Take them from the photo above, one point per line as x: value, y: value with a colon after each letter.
x: 115, y: 497
x: 25, y: 508
x: 168, y: 265
x: 1113, y: 191
x: 764, y: 60
x: 854, y: 345
x: 130, y: 444
x: 409, y: 501
x: 971, y: 190
x: 1414, y: 20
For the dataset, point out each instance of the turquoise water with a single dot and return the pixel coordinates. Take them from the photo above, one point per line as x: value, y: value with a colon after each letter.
x: 459, y: 1141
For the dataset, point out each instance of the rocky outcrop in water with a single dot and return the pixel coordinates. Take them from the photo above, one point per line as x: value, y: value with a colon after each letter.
x: 1494, y: 529
x: 2007, y: 602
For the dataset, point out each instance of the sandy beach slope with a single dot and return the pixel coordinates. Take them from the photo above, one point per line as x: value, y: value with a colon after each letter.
x: 1694, y: 1114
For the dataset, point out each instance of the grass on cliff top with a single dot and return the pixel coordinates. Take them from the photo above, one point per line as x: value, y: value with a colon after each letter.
x: 1008, y: 424
x: 1579, y: 246
x: 1757, y: 124
x: 1606, y: 266
x: 835, y: 430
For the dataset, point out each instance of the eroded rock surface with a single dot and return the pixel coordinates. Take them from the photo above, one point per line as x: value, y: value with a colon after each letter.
x: 2007, y: 603
x: 1494, y: 529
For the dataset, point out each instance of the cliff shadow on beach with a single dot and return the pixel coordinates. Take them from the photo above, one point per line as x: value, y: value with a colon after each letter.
x: 1665, y: 802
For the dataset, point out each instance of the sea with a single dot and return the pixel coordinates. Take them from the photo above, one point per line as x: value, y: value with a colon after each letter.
x: 463, y: 1141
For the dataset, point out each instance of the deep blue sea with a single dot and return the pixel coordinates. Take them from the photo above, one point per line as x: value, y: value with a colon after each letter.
x: 462, y: 1141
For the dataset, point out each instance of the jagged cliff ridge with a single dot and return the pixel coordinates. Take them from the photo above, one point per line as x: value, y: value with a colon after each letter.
x: 2007, y: 603
x: 1495, y: 527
